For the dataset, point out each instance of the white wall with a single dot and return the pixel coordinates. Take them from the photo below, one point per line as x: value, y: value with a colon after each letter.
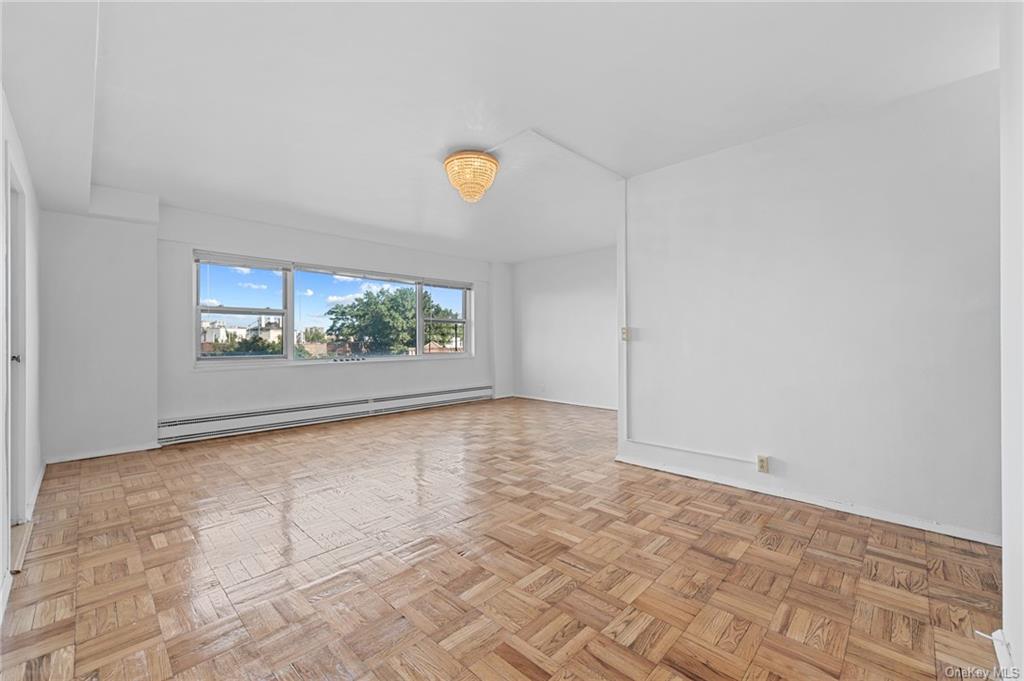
x: 1012, y: 300
x: 504, y: 352
x: 98, y: 327
x: 566, y: 328
x: 131, y: 281
x: 188, y: 390
x: 829, y: 297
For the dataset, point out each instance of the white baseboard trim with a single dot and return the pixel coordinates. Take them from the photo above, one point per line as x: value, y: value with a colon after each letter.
x: 96, y: 453
x: 1003, y: 652
x: 33, y: 494
x: 575, y: 404
x: 5, y: 591
x: 874, y: 513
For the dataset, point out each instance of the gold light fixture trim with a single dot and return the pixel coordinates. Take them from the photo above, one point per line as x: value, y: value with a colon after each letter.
x: 471, y: 173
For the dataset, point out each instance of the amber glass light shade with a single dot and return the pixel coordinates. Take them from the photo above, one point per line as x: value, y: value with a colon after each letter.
x: 471, y: 173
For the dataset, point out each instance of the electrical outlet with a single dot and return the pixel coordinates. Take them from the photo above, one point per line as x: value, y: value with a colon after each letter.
x: 625, y: 333
x: 762, y: 463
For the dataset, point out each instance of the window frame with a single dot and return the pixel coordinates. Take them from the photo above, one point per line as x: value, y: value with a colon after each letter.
x: 287, y: 312
x: 201, y: 257
x: 422, y: 322
x: 362, y: 274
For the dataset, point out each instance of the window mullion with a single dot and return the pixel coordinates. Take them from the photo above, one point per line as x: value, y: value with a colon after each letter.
x: 467, y: 328
x: 420, y: 339
x: 266, y: 312
x: 289, y: 315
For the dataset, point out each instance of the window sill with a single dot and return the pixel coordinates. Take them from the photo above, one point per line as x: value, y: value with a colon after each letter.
x: 234, y: 364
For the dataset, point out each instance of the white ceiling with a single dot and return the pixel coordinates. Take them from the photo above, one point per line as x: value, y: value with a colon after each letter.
x: 342, y: 113
x: 49, y: 77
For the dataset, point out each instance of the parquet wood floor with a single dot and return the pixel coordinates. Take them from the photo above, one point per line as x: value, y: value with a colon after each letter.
x: 493, y: 541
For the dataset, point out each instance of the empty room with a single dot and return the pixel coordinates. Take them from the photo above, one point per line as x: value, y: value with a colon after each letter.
x: 525, y: 341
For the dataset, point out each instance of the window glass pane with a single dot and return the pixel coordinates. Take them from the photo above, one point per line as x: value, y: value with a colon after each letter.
x: 338, y: 316
x: 231, y: 286
x: 444, y: 337
x: 240, y: 335
x: 441, y: 302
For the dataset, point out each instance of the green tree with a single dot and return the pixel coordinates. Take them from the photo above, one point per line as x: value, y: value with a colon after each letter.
x: 314, y: 334
x: 381, y: 322
x: 434, y: 332
x: 384, y: 322
x: 254, y: 345
x: 233, y: 345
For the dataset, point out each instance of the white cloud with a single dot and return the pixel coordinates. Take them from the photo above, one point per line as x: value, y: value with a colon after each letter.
x: 308, y: 292
x: 242, y: 270
x: 375, y: 287
x: 210, y: 302
x: 365, y: 287
x: 249, y: 284
x: 277, y: 273
x: 342, y: 277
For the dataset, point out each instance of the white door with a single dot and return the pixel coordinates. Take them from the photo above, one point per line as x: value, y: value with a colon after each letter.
x: 15, y: 263
x: 6, y: 506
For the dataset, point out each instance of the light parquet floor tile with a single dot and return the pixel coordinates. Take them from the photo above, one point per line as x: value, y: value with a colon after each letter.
x: 494, y: 541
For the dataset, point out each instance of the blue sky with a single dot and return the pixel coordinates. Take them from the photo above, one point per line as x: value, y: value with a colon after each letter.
x: 315, y: 292
x: 220, y: 285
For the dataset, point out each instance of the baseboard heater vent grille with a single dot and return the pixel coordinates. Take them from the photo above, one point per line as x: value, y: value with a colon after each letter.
x: 171, y: 431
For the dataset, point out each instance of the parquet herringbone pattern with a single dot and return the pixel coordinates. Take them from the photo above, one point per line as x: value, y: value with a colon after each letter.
x: 493, y: 541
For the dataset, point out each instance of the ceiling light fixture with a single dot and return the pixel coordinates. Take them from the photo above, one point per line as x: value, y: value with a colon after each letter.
x: 471, y: 173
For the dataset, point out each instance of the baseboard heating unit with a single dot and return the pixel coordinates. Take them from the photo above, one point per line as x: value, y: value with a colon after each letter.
x: 220, y: 425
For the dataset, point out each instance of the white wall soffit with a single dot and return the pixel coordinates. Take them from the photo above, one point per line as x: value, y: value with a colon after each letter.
x: 109, y: 202
x: 50, y: 80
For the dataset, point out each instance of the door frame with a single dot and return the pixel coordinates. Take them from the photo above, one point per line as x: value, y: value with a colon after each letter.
x: 6, y: 507
x: 14, y: 343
